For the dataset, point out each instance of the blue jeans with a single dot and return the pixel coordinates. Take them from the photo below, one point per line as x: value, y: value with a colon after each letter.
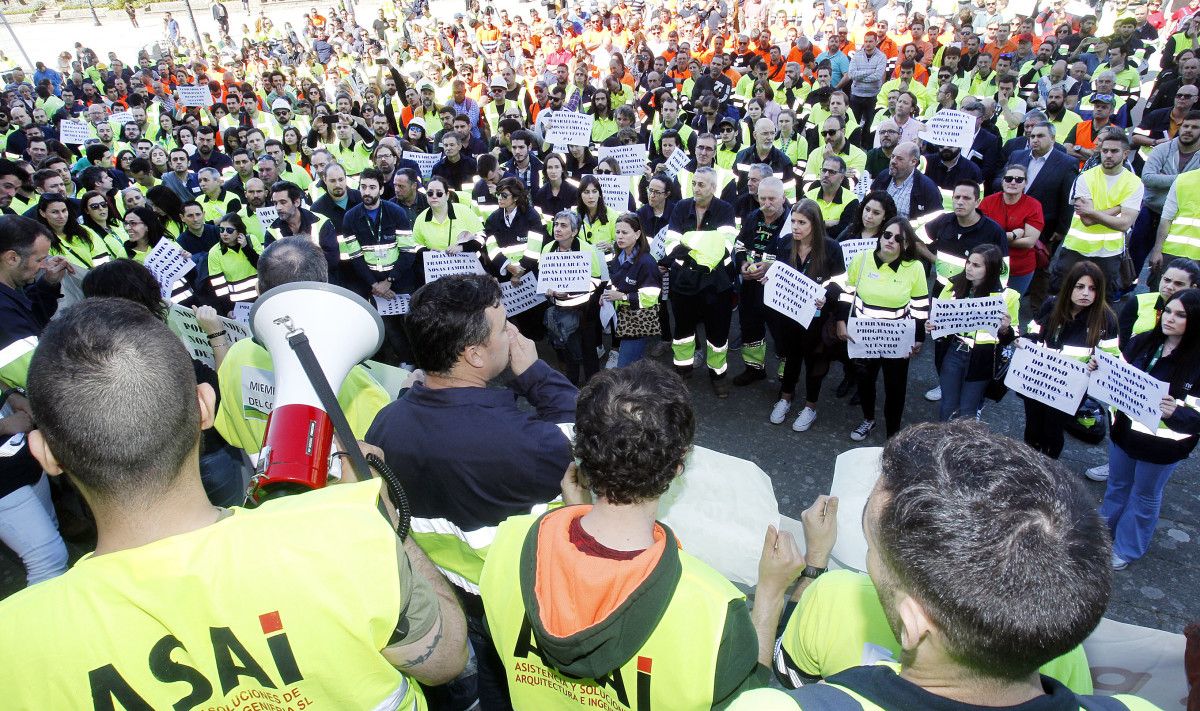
x: 1020, y: 284
x: 959, y: 395
x: 1132, y: 501
x: 29, y: 527
x: 632, y: 350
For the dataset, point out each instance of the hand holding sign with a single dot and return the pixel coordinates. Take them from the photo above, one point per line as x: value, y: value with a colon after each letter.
x: 564, y: 272
x: 1047, y: 376
x: 397, y: 306
x: 1128, y: 389
x: 954, y: 316
x: 792, y: 294
x: 197, y: 95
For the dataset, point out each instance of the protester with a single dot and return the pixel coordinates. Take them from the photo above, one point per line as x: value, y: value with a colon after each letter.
x: 1020, y: 216
x: 635, y: 289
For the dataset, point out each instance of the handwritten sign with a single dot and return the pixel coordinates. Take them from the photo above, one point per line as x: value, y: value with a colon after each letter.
x: 658, y: 245
x: 76, y: 132
x: 678, y: 161
x: 441, y: 264
x: 1128, y: 389
x: 564, y: 272
x: 425, y: 161
x: 397, y: 306
x: 851, y: 248
x: 950, y: 128
x: 197, y: 95
x: 615, y: 189
x: 121, y: 117
x: 1048, y: 377
x: 569, y: 128
x: 632, y: 159
x: 881, y: 337
x: 951, y: 316
x: 520, y: 296
x: 168, y: 263
x: 267, y: 215
x: 791, y: 293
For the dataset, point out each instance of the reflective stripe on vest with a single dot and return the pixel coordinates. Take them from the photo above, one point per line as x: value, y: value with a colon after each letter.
x: 1147, y: 312
x: 1099, y: 240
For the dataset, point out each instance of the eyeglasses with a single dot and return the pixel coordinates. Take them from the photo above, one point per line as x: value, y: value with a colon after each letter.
x: 227, y: 230
x: 96, y: 205
x: 1186, y: 96
x: 135, y: 223
x: 655, y: 191
x: 1014, y: 178
x: 889, y: 130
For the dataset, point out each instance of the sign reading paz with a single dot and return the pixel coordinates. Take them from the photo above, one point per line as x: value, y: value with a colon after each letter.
x: 951, y: 316
x: 569, y: 128
x: 1047, y: 376
x: 198, y: 95
x: 440, y: 264
x: 791, y: 293
x: 1128, y: 389
x: 564, y: 272
x: 881, y: 337
x: 950, y: 128
x: 518, y: 297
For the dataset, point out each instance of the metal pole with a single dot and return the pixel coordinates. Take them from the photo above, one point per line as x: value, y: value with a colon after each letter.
x: 28, y: 61
x: 94, y: 16
x: 195, y: 28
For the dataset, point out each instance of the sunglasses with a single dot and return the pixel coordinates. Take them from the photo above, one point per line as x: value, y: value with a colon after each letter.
x: 603, y: 172
x: 830, y: 132
x: 96, y: 205
x: 505, y: 194
x: 829, y: 171
x: 435, y: 193
x: 1014, y: 178
x: 227, y: 230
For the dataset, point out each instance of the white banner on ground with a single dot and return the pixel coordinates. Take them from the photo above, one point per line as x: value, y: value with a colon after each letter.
x: 74, y: 132
x: 564, y: 272
x: 881, y: 337
x: 440, y: 264
x: 520, y: 296
x: 952, y: 316
x: 950, y: 128
x: 396, y: 306
x: 632, y: 158
x: 791, y: 293
x: 1128, y: 389
x: 425, y: 161
x: 197, y: 95
x: 568, y: 128
x: 168, y: 264
x: 1048, y: 377
x: 851, y: 248
x: 615, y: 189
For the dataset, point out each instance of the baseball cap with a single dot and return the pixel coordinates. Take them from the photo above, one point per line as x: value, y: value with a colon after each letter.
x: 1103, y: 99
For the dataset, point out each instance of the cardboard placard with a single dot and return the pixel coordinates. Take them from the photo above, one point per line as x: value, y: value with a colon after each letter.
x: 615, y: 189
x: 185, y: 324
x: 791, y: 293
x: 520, y: 296
x: 677, y: 162
x: 950, y: 128
x: 658, y: 245
x: 953, y: 316
x: 197, y: 95
x: 632, y: 158
x: 1047, y: 376
x: 440, y: 264
x: 267, y: 214
x: 74, y: 132
x: 241, y: 312
x: 1128, y: 389
x: 851, y: 248
x: 121, y: 117
x: 564, y: 272
x: 881, y: 337
x: 168, y: 263
x: 568, y: 128
x: 425, y: 161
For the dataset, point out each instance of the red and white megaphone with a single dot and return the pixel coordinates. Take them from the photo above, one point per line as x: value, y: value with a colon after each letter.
x: 315, y: 333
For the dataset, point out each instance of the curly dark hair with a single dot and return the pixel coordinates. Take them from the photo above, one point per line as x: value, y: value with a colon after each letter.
x: 633, y: 428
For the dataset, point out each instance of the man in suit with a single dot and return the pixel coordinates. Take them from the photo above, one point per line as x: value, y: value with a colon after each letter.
x: 985, y: 150
x: 1051, y: 175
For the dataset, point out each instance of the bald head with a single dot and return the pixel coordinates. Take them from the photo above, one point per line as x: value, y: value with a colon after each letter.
x: 764, y: 133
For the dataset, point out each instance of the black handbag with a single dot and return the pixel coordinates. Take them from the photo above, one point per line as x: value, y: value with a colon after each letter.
x: 1001, y: 359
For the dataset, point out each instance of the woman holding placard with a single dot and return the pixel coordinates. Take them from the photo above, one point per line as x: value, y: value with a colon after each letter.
x: 597, y: 222
x: 636, y: 286
x: 970, y: 361
x: 1020, y: 216
x: 446, y: 225
x: 818, y: 257
x: 887, y: 283
x: 1141, y: 461
x: 573, y: 319
x: 1073, y: 323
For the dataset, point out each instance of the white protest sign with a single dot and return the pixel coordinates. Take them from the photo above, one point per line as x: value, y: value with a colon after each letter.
x: 851, y: 248
x: 1128, y: 389
x: 121, y: 117
x: 197, y: 95
x: 1048, y: 377
x: 564, y: 272
x: 241, y: 312
x: 397, y: 306
x: 235, y: 329
x: 569, y: 128
x: 518, y: 297
x: 267, y: 215
x: 425, y: 161
x: 184, y: 324
x: 76, y: 132
x: 632, y: 158
x: 861, y: 186
x: 168, y: 264
x: 615, y: 189
x: 658, y: 245
x: 791, y: 293
x: 258, y: 393
x: 951, y: 316
x: 440, y: 264
x: 881, y: 337
x: 677, y: 162
x: 950, y: 128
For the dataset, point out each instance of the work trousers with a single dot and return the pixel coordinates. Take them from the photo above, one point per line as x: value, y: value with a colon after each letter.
x: 895, y: 389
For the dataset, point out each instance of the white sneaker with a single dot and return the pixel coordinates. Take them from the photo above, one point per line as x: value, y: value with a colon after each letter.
x: 863, y: 430
x: 1119, y: 563
x: 780, y: 411
x: 613, y: 357
x: 1099, y: 473
x: 804, y: 420
x: 934, y: 395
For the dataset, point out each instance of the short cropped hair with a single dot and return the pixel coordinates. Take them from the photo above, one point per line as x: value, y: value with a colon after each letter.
x: 448, y: 316
x: 290, y: 260
x: 18, y: 234
x: 114, y: 394
x: 633, y: 428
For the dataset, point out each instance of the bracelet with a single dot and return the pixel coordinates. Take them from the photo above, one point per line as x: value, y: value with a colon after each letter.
x: 218, y: 334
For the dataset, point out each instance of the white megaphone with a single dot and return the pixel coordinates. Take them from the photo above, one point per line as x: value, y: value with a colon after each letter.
x: 315, y: 333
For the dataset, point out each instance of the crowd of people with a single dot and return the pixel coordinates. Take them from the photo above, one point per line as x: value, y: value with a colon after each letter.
x: 371, y: 153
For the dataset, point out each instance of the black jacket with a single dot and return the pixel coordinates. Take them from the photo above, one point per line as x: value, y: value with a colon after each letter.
x: 1052, y: 188
x: 391, y: 219
x: 1185, y: 420
x: 336, y: 214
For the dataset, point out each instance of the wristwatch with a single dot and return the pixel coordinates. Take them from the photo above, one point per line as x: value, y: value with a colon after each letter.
x: 811, y: 571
